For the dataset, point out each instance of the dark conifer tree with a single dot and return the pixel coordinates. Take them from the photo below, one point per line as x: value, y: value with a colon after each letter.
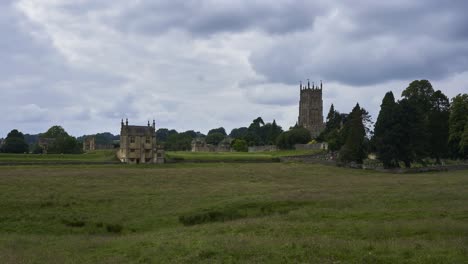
x: 438, y: 126
x: 385, y: 133
x: 354, y: 150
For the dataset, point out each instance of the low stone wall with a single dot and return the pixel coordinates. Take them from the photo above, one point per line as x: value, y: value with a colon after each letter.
x: 327, y: 158
x: 323, y: 146
x: 425, y: 169
x: 263, y: 148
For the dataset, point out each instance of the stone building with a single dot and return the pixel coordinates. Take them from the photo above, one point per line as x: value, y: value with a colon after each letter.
x: 311, y: 108
x: 44, y: 143
x: 200, y: 145
x: 138, y: 144
x: 89, y: 144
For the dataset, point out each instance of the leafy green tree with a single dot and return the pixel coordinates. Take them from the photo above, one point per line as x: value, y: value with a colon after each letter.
x: 214, y: 138
x: 240, y: 132
x: 240, y: 145
x: 354, y: 148
x: 416, y: 106
x: 62, y: 143
x: 420, y: 93
x: 385, y: 133
x: 55, y: 132
x: 457, y: 123
x: 298, y: 135
x: 179, y: 142
x: 463, y: 153
x: 163, y: 134
x: 15, y: 143
x: 218, y: 130
x: 191, y: 133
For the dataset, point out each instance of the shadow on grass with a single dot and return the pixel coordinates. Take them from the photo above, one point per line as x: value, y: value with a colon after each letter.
x: 238, y: 211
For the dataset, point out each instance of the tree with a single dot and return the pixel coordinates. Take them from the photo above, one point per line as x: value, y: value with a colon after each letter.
x: 218, y: 130
x: 179, y: 141
x: 15, y: 143
x: 215, y: 138
x: 438, y: 125
x: 62, y: 141
x: 420, y: 93
x: 354, y: 149
x: 333, y: 133
x: 240, y: 132
x: 416, y: 105
x: 272, y: 132
x: 385, y: 133
x: 457, y: 123
x: 287, y: 140
x: 239, y: 145
x: 55, y: 132
x: 463, y: 153
x: 163, y: 134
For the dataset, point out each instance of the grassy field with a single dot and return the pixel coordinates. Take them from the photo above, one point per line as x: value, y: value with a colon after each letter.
x: 230, y: 213
x: 109, y: 156
x: 235, y: 156
x: 94, y: 156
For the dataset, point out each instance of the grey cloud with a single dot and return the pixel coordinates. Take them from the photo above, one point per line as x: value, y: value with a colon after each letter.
x: 209, y: 17
x: 379, y: 43
x: 203, y: 64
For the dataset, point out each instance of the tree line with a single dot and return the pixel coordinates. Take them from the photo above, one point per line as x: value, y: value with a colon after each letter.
x: 422, y: 124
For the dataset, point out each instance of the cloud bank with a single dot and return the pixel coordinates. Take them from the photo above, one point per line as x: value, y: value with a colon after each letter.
x: 86, y: 64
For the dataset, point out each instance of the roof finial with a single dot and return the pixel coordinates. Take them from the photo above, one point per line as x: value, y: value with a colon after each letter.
x: 126, y: 121
x: 308, y: 83
x: 154, y: 124
x: 300, y: 85
x: 321, y: 85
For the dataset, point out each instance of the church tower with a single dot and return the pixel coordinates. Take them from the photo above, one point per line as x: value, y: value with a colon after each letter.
x: 311, y: 108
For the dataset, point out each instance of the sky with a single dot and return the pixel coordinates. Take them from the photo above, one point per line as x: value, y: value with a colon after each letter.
x: 86, y: 64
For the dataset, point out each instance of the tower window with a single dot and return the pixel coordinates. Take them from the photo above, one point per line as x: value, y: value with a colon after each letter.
x: 132, y: 139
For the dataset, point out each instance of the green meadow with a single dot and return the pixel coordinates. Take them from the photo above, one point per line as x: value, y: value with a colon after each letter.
x: 94, y: 156
x: 230, y: 213
x: 235, y: 156
x: 100, y: 156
